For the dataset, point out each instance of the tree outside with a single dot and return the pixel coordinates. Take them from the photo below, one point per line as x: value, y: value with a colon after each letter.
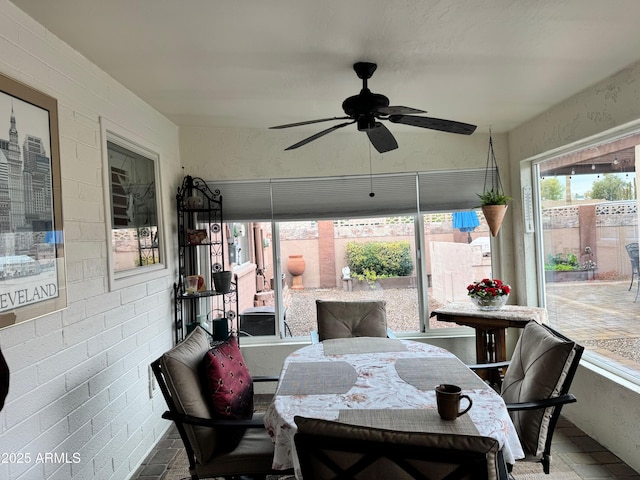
x: 551, y: 189
x: 612, y: 188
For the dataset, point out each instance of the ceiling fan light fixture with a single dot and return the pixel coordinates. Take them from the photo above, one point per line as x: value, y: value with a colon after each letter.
x: 366, y: 123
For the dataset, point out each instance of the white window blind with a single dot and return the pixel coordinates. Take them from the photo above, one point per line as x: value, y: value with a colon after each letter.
x: 344, y: 197
x: 348, y: 197
x: 244, y: 200
x: 451, y: 190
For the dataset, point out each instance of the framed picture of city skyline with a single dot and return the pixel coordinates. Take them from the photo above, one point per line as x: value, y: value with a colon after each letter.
x: 32, y: 269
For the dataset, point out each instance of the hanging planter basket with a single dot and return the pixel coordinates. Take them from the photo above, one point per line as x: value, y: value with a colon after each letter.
x: 494, y: 201
x: 494, y: 214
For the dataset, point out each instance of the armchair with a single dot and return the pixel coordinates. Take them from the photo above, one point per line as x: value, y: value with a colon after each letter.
x: 536, y: 386
x: 216, y: 446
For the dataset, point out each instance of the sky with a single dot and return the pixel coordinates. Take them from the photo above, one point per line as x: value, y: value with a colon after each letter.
x: 583, y: 183
x: 30, y: 120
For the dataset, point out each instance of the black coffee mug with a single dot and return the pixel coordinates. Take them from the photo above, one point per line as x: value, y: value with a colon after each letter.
x: 448, y: 399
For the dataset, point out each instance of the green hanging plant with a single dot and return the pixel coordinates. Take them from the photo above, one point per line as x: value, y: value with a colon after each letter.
x: 493, y: 197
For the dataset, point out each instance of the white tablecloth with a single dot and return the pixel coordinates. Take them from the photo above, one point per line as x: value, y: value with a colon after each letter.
x: 402, y: 378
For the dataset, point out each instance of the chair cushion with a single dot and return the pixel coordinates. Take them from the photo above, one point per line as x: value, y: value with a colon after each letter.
x: 181, y: 365
x: 538, y: 368
x: 254, y: 452
x: 228, y: 381
x: 351, y: 319
x: 426, y: 441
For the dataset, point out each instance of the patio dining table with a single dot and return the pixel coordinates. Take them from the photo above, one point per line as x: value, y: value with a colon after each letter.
x: 383, y: 383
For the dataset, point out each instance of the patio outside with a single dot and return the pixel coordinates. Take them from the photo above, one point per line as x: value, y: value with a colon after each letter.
x: 601, y: 315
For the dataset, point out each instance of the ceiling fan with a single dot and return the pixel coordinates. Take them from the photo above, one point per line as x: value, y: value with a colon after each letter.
x: 367, y: 108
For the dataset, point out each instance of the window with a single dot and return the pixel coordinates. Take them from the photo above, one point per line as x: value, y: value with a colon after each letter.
x: 333, y: 260
x: 240, y: 246
x: 317, y: 218
x: 350, y: 260
x: 458, y: 253
x: 588, y: 213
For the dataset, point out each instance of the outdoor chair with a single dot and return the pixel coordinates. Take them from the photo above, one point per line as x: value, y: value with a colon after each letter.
x: 536, y: 386
x: 634, y: 258
x: 331, y: 450
x: 216, y: 446
x: 337, y: 319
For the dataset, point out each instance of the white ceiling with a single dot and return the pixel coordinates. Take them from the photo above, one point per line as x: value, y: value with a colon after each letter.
x: 258, y: 63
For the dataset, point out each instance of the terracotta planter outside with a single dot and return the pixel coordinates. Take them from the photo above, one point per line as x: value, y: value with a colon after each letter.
x: 494, y: 214
x: 296, y: 266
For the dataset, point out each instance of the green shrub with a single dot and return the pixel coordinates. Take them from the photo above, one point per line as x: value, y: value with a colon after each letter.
x: 563, y: 263
x: 372, y: 260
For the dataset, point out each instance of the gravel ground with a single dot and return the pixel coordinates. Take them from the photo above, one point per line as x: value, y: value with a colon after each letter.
x: 625, y: 347
x: 402, y: 307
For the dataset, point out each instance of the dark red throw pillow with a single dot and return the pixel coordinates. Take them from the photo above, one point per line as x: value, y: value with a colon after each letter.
x: 228, y: 381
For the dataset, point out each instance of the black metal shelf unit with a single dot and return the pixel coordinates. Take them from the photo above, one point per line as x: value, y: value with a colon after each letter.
x: 201, y: 252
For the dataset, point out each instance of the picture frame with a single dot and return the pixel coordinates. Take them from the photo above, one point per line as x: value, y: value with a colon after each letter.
x: 136, y: 244
x: 32, y: 266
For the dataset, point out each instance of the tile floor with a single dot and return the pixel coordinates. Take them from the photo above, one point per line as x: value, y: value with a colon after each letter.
x: 586, y: 457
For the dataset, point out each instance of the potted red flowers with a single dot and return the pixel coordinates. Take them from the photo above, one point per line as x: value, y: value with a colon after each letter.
x: 489, y: 294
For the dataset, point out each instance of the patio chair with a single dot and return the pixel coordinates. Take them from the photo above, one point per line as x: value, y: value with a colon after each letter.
x: 338, y: 319
x: 634, y: 258
x: 216, y: 446
x: 536, y: 386
x: 331, y: 450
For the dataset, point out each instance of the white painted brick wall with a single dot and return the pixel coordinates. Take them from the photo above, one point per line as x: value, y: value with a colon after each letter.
x: 49, y: 324
x: 79, y: 377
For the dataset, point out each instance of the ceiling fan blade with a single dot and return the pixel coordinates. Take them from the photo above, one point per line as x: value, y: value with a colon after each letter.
x: 398, y: 110
x: 309, y: 122
x: 434, y: 124
x: 318, y: 135
x: 381, y: 138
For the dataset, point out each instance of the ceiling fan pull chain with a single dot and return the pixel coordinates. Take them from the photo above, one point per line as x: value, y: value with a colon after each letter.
x: 371, y: 193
